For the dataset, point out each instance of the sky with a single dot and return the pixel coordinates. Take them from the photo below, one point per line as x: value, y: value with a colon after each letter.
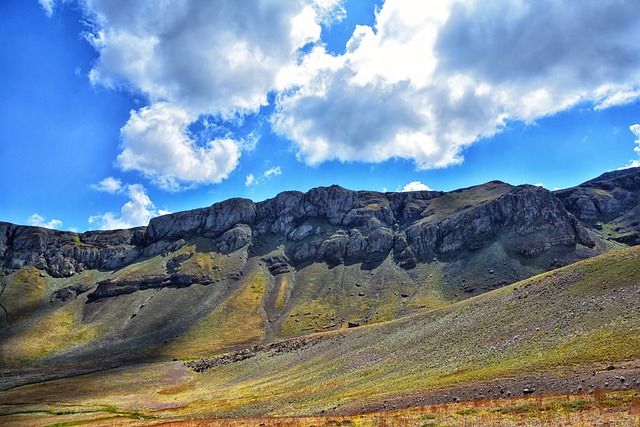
x: 116, y: 111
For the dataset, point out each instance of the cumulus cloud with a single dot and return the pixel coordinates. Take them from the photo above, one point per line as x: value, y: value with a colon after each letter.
x: 426, y: 81
x: 416, y: 186
x: 156, y: 142
x: 430, y: 79
x: 195, y: 59
x: 214, y: 57
x: 48, y: 6
x: 135, y: 212
x: 39, y: 221
x: 635, y: 129
x: 108, y: 185
x: 545, y: 41
x: 266, y: 176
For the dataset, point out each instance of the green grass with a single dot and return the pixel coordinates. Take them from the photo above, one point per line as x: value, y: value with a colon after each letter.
x: 139, y: 270
x: 452, y: 202
x: 552, y: 405
x: 367, y: 368
x: 467, y: 411
x: 81, y: 422
x: 429, y: 417
x: 282, y: 293
x: 235, y: 321
x: 570, y: 318
x: 82, y: 415
x: 470, y: 341
x: 62, y: 328
x: 23, y: 293
x: 320, y: 296
x: 79, y: 243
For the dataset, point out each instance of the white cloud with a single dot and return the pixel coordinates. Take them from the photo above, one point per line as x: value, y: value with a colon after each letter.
x: 416, y: 186
x: 433, y: 78
x: 538, y: 184
x: 39, y: 221
x: 193, y: 59
x: 275, y: 171
x: 156, y: 142
x: 136, y: 212
x: 209, y: 57
x: 48, y: 6
x: 426, y: 81
x: 635, y: 129
x: 108, y: 185
x: 631, y: 164
x: 266, y: 176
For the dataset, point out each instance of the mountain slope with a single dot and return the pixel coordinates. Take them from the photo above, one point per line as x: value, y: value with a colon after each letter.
x: 241, y: 273
x: 576, y: 318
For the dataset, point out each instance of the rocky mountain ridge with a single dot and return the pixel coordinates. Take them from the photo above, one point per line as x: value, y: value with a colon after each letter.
x: 239, y: 274
x: 335, y: 225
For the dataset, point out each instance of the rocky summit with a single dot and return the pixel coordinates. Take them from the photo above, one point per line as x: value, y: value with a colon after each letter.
x: 294, y: 264
x: 339, y: 226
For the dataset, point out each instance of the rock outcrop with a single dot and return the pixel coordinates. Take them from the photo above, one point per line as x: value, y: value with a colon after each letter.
x: 108, y: 288
x: 63, y: 254
x: 613, y: 198
x: 335, y: 225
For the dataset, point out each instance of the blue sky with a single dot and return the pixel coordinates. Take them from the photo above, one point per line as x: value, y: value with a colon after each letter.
x: 112, y: 112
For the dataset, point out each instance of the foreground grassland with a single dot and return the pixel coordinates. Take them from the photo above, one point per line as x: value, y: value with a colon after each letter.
x: 545, y: 328
x: 621, y: 409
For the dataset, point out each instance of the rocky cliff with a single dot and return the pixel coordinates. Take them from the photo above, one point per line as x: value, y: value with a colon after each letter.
x: 609, y: 204
x: 336, y: 226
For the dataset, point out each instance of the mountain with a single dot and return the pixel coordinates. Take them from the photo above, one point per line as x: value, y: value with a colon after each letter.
x: 239, y: 273
x: 608, y: 204
x: 572, y: 330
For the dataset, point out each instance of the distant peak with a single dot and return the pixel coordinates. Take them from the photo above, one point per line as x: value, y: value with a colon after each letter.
x: 607, y: 176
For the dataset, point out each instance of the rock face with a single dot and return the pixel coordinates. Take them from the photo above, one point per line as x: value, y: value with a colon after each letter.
x: 62, y: 254
x: 109, y: 288
x: 335, y: 226
x: 612, y: 198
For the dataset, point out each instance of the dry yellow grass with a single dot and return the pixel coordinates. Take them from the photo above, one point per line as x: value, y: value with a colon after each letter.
x: 619, y: 409
x: 23, y: 292
x: 282, y: 295
x: 56, y: 331
x: 237, y: 320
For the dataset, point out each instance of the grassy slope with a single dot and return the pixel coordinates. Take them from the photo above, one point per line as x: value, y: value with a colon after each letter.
x: 198, y: 320
x: 582, y: 314
x: 202, y: 320
x: 460, y: 200
x: 322, y: 298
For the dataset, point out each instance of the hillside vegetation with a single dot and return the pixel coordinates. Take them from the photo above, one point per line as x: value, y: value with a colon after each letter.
x: 554, y: 327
